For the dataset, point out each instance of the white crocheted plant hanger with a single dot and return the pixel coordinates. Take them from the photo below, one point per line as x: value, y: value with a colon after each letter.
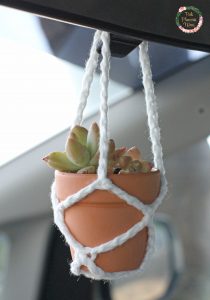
x: 85, y: 256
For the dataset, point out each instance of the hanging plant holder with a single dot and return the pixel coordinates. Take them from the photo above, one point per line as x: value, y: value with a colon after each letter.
x: 108, y: 220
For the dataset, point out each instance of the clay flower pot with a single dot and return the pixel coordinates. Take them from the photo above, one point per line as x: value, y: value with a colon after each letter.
x: 101, y: 216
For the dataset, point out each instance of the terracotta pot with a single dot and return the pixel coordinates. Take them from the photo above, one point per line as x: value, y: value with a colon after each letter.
x: 101, y: 216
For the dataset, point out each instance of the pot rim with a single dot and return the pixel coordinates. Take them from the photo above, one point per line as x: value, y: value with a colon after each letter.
x: 89, y: 178
x: 151, y: 173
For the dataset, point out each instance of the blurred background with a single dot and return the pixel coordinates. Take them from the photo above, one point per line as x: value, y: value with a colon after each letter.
x: 41, y: 68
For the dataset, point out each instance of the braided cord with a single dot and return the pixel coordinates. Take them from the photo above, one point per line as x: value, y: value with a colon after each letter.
x: 151, y: 106
x: 103, y: 143
x: 90, y: 68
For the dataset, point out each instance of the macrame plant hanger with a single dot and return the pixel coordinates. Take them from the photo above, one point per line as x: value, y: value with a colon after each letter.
x: 85, y: 256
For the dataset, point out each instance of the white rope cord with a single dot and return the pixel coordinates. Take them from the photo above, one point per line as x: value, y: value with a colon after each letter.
x: 103, y: 143
x: 85, y: 256
x: 151, y: 106
x: 152, y: 115
x: 90, y: 68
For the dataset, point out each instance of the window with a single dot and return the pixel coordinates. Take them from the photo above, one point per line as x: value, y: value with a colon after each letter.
x: 39, y: 91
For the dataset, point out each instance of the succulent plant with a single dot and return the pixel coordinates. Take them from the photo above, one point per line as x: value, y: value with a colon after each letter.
x: 81, y: 155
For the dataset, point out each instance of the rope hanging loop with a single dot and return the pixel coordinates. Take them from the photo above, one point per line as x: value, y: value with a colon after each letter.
x: 86, y: 256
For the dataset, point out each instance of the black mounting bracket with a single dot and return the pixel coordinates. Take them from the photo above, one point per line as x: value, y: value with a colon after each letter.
x: 121, y: 46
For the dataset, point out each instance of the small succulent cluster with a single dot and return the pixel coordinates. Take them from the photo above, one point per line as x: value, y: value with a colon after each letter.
x: 81, y: 155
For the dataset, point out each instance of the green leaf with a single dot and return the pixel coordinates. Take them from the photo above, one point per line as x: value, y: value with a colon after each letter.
x: 77, y: 153
x: 87, y: 170
x: 80, y: 134
x: 93, y: 139
x: 94, y: 160
x: 60, y: 162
